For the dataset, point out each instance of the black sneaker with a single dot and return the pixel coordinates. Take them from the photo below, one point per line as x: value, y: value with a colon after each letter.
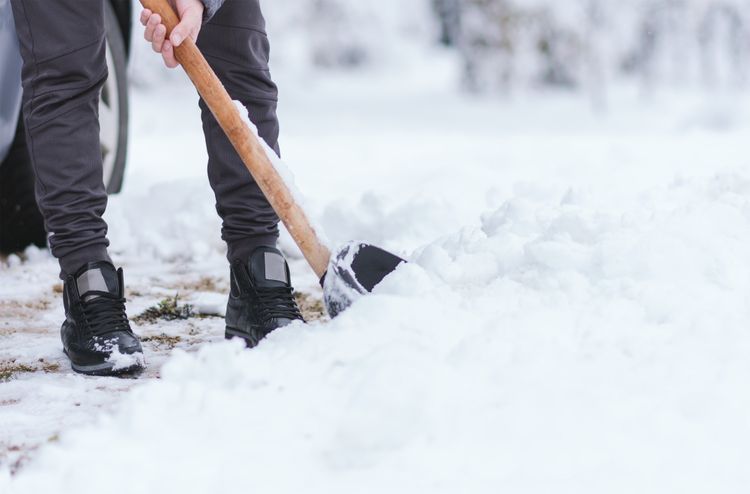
x: 96, y: 334
x: 261, y: 298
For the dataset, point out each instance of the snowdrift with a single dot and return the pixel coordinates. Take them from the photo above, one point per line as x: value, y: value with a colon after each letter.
x: 561, y: 346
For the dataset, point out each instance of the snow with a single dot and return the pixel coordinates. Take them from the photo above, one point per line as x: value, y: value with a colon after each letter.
x: 574, y: 318
x: 125, y: 361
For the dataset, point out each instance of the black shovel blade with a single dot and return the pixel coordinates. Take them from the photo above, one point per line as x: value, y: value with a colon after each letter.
x: 355, y: 270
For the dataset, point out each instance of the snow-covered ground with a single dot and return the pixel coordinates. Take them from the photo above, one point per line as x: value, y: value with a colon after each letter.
x: 574, y: 318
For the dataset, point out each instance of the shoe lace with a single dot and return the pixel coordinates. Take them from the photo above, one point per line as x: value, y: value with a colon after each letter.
x: 278, y: 302
x: 106, y: 314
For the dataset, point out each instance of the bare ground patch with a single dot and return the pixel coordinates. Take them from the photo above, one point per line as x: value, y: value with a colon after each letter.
x: 24, y: 309
x: 312, y: 307
x: 162, y: 340
x: 10, y: 369
x: 203, y: 284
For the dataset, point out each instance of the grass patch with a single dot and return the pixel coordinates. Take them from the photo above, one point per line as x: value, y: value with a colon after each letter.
x: 168, y: 309
x: 10, y: 369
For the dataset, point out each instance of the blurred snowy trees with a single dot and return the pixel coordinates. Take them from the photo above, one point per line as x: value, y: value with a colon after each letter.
x: 506, y: 44
x: 583, y: 43
x: 503, y: 44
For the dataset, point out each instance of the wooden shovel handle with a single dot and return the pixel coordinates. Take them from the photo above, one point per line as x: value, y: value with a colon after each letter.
x: 245, y: 143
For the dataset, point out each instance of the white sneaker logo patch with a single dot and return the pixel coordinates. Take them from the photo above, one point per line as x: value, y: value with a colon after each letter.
x: 91, y: 280
x: 275, y: 267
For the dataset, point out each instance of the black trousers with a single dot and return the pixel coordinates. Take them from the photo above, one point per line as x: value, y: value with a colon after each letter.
x: 63, y: 49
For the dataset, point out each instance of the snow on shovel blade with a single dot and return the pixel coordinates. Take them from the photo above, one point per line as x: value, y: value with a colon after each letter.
x: 354, y: 271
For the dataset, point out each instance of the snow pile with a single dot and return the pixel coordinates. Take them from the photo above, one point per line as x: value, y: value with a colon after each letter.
x: 564, y: 345
x: 126, y: 361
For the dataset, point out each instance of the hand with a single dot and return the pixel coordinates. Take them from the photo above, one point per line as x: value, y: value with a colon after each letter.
x: 190, y: 13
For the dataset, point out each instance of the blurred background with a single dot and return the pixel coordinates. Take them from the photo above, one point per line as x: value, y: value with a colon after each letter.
x: 499, y: 46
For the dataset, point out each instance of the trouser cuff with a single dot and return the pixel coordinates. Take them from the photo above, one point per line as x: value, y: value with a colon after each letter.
x: 72, y: 262
x: 241, y: 249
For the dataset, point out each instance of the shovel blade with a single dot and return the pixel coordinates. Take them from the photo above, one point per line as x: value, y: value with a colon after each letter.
x: 355, y: 270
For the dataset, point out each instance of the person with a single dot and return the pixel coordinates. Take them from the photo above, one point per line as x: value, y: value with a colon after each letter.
x: 62, y: 45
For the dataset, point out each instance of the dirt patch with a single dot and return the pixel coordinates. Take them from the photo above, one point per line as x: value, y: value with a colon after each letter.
x: 9, y: 328
x: 162, y: 340
x: 203, y: 284
x: 23, y: 316
x: 312, y: 308
x: 16, y: 457
x: 10, y: 369
x: 48, y: 367
x: 25, y: 309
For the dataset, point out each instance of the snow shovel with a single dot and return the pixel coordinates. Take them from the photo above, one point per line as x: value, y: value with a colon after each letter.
x: 357, y: 267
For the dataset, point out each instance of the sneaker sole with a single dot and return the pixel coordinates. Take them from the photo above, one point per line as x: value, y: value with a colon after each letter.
x: 105, y: 369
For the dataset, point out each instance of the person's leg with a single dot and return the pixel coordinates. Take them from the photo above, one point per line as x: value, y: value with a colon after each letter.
x: 63, y: 49
x: 64, y: 66
x: 261, y: 297
x: 235, y: 44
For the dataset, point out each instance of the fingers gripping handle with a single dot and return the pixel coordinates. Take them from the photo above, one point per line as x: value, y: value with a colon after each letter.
x: 164, y: 9
x: 245, y: 143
